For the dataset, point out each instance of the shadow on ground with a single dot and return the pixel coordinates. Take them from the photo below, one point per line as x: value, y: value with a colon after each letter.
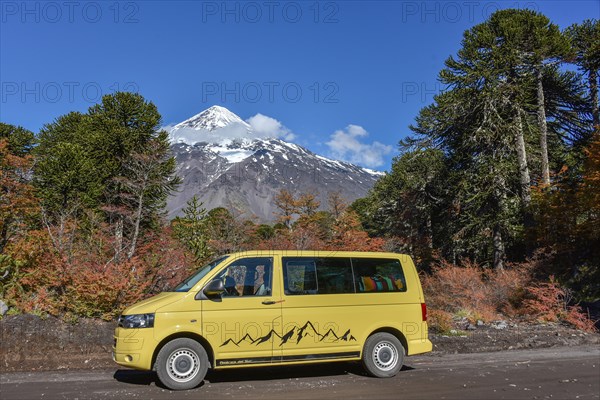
x: 253, y: 374
x: 134, y: 377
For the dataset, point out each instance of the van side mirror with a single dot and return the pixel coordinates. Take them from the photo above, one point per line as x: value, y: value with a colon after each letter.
x: 215, y: 288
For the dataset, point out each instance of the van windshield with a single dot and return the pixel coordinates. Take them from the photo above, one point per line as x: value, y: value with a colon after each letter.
x: 189, y: 282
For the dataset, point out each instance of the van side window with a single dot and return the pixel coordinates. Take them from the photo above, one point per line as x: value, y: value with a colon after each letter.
x: 334, y: 275
x: 378, y: 275
x: 309, y: 275
x: 248, y: 277
x: 300, y: 276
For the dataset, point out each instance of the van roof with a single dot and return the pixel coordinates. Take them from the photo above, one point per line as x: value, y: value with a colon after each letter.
x: 314, y: 253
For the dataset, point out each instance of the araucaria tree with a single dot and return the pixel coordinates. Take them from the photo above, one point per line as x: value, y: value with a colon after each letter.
x: 112, y: 164
x: 585, y: 39
x: 505, y: 123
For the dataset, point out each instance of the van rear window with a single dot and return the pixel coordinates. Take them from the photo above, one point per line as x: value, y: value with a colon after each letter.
x: 337, y: 275
x: 378, y: 275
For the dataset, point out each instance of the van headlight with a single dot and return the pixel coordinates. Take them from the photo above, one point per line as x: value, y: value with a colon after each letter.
x: 136, y: 321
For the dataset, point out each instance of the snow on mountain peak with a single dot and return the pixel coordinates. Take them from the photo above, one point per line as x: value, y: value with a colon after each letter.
x: 213, y: 125
x: 211, y: 119
x: 224, y: 133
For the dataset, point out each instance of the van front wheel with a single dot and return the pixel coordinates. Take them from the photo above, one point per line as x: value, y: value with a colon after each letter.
x: 182, y: 364
x: 383, y: 355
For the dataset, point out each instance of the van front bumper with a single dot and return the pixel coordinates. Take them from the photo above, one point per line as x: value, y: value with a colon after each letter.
x: 133, y: 348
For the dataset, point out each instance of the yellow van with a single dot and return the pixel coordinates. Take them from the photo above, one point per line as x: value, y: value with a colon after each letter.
x: 259, y: 308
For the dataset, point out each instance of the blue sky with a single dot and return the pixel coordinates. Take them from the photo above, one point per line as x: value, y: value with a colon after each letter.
x: 346, y: 77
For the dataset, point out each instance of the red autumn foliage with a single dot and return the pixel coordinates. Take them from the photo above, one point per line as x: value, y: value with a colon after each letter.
x: 548, y: 302
x: 486, y: 294
x: 88, y: 282
x: 568, y: 225
x: 17, y: 202
x: 69, y: 271
x: 453, y: 289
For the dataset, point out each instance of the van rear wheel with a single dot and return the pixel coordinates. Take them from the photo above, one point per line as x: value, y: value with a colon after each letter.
x: 383, y: 355
x: 181, y: 364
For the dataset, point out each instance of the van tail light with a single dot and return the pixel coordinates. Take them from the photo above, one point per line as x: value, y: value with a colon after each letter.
x: 424, y: 312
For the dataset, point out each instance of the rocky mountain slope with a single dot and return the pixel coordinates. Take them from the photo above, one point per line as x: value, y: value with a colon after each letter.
x: 224, y: 163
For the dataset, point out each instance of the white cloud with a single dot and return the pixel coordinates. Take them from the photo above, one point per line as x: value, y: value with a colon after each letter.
x: 264, y: 126
x: 346, y: 145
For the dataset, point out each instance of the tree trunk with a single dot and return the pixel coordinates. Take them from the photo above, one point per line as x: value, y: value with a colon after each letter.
x: 522, y: 160
x: 541, y: 116
x: 429, y: 227
x: 593, y: 82
x: 499, y: 250
x: 500, y: 195
x: 136, y: 230
x: 118, y: 238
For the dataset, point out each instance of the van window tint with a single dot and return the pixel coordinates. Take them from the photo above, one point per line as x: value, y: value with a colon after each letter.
x: 300, y: 276
x: 378, y: 275
x: 248, y: 277
x: 310, y: 275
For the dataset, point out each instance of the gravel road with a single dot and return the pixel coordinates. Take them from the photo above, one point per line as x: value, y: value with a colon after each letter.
x: 557, y: 373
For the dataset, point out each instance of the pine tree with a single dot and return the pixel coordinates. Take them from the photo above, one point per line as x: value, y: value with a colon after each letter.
x: 124, y: 130
x: 20, y: 141
x: 149, y: 178
x: 585, y: 39
x: 192, y: 229
x: 532, y: 44
x: 113, y: 161
x: 407, y: 202
x: 495, y: 104
x: 66, y: 176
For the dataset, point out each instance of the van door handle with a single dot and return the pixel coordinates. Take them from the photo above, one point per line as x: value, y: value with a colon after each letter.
x: 271, y: 302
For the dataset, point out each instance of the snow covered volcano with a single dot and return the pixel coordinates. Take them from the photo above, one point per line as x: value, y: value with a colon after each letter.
x: 212, y: 118
x: 226, y: 163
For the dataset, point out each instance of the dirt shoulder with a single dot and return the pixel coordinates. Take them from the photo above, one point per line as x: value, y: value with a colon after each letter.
x: 504, y: 335
x: 29, y: 343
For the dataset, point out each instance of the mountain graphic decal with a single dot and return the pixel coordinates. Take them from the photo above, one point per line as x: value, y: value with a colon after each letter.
x: 246, y: 338
x: 225, y: 343
x: 287, y: 337
x: 330, y: 334
x: 267, y: 337
x: 308, y: 329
